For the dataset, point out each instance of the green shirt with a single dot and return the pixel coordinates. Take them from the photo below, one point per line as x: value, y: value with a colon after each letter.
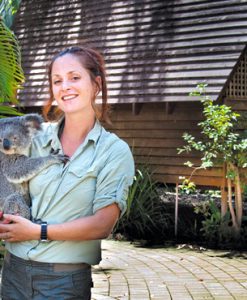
x: 98, y: 174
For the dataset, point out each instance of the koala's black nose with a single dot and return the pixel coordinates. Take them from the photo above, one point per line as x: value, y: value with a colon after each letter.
x: 6, y: 144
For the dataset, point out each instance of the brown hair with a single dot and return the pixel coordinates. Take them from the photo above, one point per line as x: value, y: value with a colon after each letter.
x: 93, y: 61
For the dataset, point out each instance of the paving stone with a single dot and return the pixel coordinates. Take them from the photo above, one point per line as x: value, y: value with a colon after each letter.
x: 128, y: 272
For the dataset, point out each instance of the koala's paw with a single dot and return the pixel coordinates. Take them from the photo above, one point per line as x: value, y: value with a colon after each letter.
x: 62, y: 158
x: 54, y: 152
x: 15, y: 206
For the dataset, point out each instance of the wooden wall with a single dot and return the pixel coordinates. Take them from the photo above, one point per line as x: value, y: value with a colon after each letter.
x: 154, y: 136
x: 156, y: 50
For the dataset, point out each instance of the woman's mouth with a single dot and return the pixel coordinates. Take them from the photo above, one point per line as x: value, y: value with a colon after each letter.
x: 69, y: 97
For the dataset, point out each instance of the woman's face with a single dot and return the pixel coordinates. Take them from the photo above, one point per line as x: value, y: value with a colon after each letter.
x: 72, y: 86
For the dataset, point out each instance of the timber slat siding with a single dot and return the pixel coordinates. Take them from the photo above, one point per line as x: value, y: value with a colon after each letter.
x: 154, y: 137
x: 155, y: 50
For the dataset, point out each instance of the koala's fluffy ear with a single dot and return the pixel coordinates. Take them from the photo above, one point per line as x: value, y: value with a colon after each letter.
x: 33, y: 121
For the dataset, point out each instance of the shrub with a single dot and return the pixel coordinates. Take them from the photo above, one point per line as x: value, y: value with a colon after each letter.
x: 217, y: 231
x: 221, y: 145
x: 145, y: 217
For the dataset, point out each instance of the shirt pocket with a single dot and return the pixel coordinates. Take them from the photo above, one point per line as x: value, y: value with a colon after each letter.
x: 78, y: 186
x: 80, y: 172
x: 78, y: 177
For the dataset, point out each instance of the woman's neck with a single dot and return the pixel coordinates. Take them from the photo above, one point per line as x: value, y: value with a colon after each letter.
x: 74, y: 133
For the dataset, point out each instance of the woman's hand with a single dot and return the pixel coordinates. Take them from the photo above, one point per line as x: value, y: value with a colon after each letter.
x: 18, y: 229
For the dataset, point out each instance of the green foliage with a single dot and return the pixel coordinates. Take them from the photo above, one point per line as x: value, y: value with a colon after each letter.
x: 187, y: 187
x: 245, y: 191
x: 213, y: 193
x: 8, y: 111
x: 217, y: 230
x: 11, y: 73
x: 220, y: 143
x: 145, y: 215
x: 8, y: 9
x: 202, y: 208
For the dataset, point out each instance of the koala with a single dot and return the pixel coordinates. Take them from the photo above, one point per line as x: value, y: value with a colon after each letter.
x: 16, y: 168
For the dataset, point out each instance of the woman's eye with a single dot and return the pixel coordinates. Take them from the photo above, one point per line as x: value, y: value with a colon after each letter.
x: 75, y: 77
x: 56, y: 81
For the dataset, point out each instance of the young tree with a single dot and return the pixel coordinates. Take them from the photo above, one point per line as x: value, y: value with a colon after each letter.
x: 221, y: 144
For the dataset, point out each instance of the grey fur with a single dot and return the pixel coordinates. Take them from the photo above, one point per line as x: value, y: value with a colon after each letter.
x: 16, y: 168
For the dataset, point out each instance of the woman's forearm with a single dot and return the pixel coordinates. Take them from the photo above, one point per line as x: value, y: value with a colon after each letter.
x: 93, y: 227
x: 97, y: 226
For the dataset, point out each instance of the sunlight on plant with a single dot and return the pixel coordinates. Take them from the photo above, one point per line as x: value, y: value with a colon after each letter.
x: 187, y: 187
x: 221, y: 145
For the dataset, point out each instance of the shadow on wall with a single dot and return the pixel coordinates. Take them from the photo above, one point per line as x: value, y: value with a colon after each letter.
x: 145, y: 72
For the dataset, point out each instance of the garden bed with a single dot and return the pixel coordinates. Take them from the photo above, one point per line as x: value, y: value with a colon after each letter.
x: 193, y: 209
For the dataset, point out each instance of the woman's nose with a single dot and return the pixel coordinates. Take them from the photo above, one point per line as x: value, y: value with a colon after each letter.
x: 65, y: 85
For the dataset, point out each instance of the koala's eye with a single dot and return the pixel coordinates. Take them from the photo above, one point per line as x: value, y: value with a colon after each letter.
x: 15, y: 138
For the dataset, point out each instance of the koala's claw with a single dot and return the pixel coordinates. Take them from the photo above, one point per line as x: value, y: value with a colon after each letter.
x: 63, y: 158
x: 54, y: 152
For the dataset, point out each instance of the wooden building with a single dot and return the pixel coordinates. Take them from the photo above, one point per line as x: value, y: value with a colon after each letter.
x: 156, y: 52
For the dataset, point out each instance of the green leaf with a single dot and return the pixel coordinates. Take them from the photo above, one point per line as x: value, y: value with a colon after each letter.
x: 189, y: 164
x: 11, y: 73
x: 6, y: 110
x: 8, y: 9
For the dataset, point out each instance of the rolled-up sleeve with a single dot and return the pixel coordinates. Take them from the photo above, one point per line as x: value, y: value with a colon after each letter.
x: 115, y: 178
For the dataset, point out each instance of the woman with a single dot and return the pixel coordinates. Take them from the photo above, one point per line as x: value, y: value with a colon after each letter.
x: 74, y: 205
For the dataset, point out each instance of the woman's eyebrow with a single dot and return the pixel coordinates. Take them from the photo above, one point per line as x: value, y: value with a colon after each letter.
x: 70, y: 72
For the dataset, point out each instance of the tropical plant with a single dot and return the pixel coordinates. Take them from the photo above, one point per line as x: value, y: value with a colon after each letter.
x: 11, y: 73
x: 216, y: 229
x: 145, y: 217
x: 8, y: 9
x: 221, y: 144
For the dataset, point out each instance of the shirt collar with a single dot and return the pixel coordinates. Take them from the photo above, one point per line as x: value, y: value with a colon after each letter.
x: 51, y: 138
x: 95, y: 133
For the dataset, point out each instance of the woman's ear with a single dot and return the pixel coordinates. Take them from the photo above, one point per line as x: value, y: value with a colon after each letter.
x: 98, y: 84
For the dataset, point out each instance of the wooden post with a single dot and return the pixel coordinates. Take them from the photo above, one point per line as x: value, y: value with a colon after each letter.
x: 136, y: 108
x: 170, y: 107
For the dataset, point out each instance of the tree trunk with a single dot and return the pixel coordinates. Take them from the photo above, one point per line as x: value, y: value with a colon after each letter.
x: 238, y: 199
x: 232, y: 212
x: 235, y: 224
x: 224, y: 204
x: 238, y: 194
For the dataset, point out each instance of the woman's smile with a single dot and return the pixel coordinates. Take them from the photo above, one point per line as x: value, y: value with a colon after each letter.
x: 69, y: 97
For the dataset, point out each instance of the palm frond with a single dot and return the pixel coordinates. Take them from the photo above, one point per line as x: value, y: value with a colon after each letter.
x: 9, y: 111
x: 11, y: 73
x: 8, y: 9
